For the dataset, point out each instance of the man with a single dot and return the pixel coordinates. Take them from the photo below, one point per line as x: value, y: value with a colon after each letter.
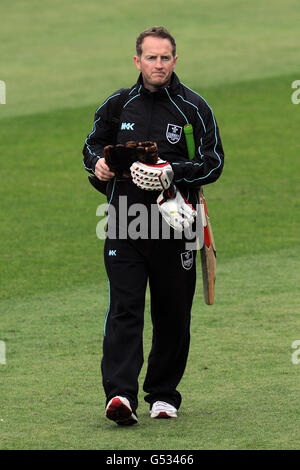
x: 156, y: 109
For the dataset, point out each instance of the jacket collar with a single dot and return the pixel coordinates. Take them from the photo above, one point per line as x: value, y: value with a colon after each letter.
x: 173, y: 87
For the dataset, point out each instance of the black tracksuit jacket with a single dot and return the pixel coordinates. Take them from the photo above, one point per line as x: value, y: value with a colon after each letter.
x: 160, y: 117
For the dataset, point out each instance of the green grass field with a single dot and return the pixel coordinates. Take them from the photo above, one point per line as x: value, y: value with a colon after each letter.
x: 59, y: 62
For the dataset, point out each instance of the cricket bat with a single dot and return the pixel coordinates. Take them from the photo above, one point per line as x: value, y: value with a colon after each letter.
x: 207, y: 253
x: 208, y: 250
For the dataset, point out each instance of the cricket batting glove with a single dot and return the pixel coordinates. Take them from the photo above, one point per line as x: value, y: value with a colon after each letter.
x: 175, y: 209
x: 120, y: 157
x: 152, y: 177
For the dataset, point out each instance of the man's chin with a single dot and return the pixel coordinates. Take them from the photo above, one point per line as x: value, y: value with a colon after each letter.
x: 160, y: 83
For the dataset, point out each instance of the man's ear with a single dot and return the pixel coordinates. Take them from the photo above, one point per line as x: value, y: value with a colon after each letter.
x: 137, y: 62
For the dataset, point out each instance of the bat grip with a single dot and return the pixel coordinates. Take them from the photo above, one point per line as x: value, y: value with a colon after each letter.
x: 189, y: 139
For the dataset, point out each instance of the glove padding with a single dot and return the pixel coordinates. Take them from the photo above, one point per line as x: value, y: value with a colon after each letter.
x: 175, y: 209
x: 119, y: 158
x: 152, y: 177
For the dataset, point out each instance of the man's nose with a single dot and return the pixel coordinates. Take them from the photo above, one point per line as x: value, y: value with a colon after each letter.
x: 158, y: 63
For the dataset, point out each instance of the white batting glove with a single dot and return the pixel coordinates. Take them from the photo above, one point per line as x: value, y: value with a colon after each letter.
x: 152, y: 177
x: 176, y: 210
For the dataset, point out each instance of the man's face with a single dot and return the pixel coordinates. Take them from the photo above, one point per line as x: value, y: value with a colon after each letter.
x: 156, y: 62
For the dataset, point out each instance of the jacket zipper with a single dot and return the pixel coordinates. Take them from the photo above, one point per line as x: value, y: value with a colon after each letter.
x: 150, y: 116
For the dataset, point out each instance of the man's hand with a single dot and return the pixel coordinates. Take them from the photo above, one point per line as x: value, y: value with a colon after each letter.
x: 102, y: 171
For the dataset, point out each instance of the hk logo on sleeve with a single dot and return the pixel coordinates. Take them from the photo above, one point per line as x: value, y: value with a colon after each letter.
x: 173, y: 133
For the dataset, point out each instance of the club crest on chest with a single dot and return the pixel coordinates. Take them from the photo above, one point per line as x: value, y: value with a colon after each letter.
x: 173, y: 133
x: 187, y: 259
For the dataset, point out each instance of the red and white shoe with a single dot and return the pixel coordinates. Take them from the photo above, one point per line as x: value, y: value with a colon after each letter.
x: 163, y: 410
x: 119, y: 410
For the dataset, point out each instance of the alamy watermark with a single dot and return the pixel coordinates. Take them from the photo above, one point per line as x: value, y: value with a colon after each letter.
x: 138, y: 221
x: 296, y: 94
x: 2, y: 92
x: 296, y: 354
x: 2, y: 352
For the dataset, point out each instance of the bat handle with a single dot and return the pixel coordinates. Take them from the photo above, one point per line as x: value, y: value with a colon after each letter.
x: 189, y: 139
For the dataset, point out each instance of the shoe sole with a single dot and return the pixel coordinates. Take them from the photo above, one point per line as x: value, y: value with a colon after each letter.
x: 163, y: 415
x: 120, y: 413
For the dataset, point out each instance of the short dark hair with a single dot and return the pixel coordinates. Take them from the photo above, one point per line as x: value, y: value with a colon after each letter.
x: 158, y: 32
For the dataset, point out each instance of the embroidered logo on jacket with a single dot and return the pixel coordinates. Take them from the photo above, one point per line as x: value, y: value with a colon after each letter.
x: 127, y: 126
x: 187, y: 259
x: 173, y: 133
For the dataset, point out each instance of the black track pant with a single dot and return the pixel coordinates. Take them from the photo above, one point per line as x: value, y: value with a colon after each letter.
x: 170, y: 269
